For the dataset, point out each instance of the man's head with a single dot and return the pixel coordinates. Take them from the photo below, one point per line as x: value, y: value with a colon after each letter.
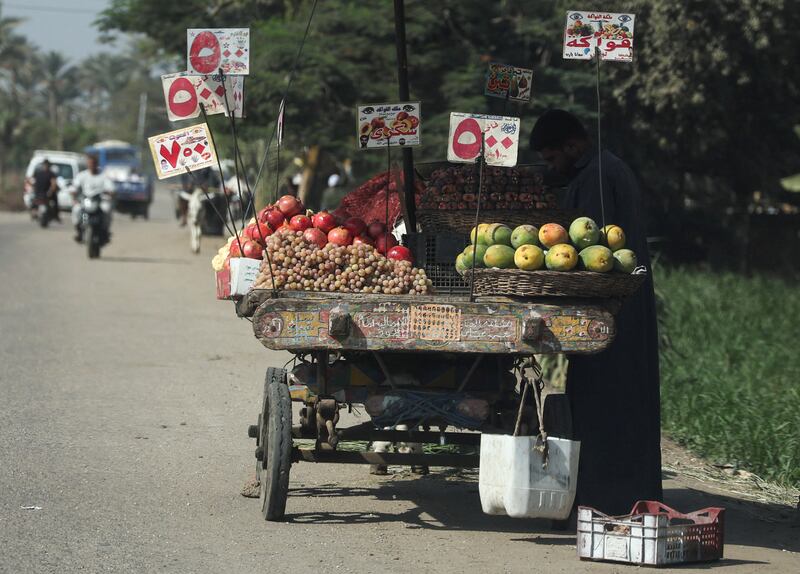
x: 45, y: 163
x: 560, y: 138
x: 92, y: 163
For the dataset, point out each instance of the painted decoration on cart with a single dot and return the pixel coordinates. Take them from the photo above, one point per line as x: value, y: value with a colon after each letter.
x: 501, y: 143
x: 183, y: 94
x: 208, y: 50
x: 382, y: 125
x: 510, y: 82
x: 609, y: 32
x: 175, y: 151
x: 407, y: 323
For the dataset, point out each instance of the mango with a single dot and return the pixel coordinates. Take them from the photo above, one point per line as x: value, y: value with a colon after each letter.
x: 613, y: 237
x: 500, y: 256
x: 479, y: 234
x: 584, y: 232
x: 524, y: 235
x: 480, y: 251
x: 529, y: 257
x: 498, y: 234
x: 596, y: 258
x: 460, y: 266
x: 624, y: 261
x: 561, y: 257
x: 551, y: 234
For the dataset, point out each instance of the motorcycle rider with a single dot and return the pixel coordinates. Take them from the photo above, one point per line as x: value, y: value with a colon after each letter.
x: 88, y: 183
x: 45, y: 187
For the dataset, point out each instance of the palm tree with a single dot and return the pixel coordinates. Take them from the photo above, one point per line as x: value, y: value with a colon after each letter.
x: 15, y: 56
x: 59, y: 85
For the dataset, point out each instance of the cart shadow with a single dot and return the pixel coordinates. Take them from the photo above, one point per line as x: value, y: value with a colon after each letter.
x: 439, y: 503
x: 448, y: 500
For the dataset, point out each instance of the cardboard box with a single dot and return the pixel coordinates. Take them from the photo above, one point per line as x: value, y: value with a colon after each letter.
x: 235, y: 282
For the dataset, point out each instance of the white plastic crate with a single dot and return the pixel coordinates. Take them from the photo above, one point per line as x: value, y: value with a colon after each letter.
x: 652, y: 534
x: 512, y: 480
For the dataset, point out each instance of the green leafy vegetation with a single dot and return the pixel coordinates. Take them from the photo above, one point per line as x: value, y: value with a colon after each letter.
x: 730, y: 369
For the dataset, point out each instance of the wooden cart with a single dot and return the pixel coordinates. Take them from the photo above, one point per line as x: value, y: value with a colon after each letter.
x: 430, y: 355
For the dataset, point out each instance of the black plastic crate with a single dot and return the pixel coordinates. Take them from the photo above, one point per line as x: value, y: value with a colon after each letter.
x: 436, y: 253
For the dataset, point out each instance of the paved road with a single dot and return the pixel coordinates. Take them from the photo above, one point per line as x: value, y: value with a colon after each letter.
x: 126, y: 390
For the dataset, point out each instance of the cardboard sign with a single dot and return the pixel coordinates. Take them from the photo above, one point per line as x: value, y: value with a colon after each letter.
x: 501, y: 139
x: 184, y: 93
x: 609, y: 32
x: 208, y: 50
x: 188, y: 147
x: 381, y: 125
x: 508, y: 82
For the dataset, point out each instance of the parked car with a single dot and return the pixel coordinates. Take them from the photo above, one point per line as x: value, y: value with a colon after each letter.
x: 65, y: 164
x: 119, y: 160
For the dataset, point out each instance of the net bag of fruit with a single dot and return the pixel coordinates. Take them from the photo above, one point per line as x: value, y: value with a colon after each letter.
x: 368, y: 201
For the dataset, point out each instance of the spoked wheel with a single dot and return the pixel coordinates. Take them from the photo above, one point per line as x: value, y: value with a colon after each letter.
x: 275, y: 440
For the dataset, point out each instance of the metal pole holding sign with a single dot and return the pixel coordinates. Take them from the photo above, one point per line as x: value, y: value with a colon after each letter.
x: 409, y: 211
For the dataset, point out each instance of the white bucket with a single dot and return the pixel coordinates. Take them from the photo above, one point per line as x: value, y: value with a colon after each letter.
x: 513, y: 482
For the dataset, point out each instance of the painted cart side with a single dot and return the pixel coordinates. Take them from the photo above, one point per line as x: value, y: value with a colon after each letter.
x: 360, y: 322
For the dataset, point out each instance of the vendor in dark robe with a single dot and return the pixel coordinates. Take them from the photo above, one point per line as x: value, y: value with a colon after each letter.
x: 614, y: 394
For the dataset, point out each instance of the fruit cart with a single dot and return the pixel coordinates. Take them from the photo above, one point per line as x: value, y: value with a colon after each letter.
x: 423, y: 361
x: 442, y: 365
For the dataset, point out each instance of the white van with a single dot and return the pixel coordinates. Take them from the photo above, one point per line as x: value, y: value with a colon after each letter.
x: 65, y: 164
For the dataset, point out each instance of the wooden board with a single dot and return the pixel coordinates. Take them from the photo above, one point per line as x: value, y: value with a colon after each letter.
x: 301, y: 321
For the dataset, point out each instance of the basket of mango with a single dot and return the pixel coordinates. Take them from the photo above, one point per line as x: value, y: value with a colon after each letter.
x: 550, y: 261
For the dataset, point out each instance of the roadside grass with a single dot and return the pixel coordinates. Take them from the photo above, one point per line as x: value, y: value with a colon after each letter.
x: 730, y: 368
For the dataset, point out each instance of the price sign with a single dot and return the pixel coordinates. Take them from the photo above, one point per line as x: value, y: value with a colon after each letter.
x: 184, y: 93
x: 609, y: 32
x: 188, y: 147
x: 208, y: 50
x: 508, y: 81
x: 381, y: 125
x: 501, y: 139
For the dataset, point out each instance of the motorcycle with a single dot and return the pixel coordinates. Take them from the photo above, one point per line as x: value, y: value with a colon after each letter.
x: 44, y: 211
x: 95, y: 217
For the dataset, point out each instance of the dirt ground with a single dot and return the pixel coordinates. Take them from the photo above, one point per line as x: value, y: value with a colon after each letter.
x: 126, y: 393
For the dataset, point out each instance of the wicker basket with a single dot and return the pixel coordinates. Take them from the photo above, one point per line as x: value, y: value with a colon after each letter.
x: 462, y: 221
x: 554, y: 283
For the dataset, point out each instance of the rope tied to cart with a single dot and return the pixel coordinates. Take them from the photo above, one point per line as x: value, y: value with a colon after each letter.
x: 537, y: 385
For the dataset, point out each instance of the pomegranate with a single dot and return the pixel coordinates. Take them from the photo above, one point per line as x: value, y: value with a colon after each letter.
x: 316, y: 235
x: 289, y: 205
x: 300, y: 222
x: 376, y: 229
x: 340, y: 236
x: 400, y: 253
x: 262, y: 215
x: 234, y: 248
x: 384, y: 243
x: 355, y: 225
x: 324, y: 221
x: 363, y: 240
x: 275, y: 219
x: 252, y: 250
x: 260, y: 232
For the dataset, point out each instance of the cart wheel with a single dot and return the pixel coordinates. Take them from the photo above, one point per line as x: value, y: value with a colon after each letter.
x: 276, y: 444
x: 273, y: 375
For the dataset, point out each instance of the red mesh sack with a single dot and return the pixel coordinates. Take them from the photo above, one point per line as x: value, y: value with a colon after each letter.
x: 368, y: 201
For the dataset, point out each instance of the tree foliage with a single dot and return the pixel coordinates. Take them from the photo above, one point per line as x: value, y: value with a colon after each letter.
x: 705, y: 113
